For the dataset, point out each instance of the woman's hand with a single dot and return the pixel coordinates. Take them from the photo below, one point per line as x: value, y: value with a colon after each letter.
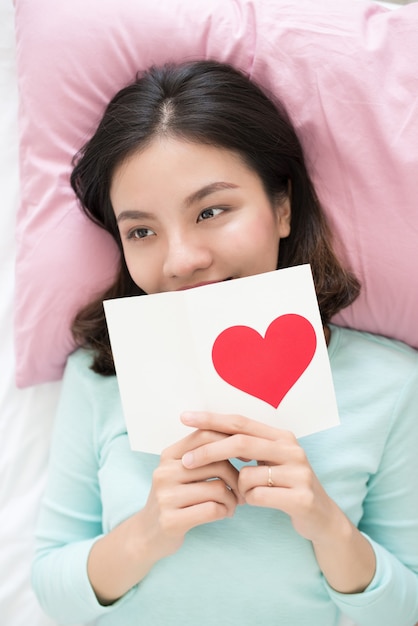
x: 283, y: 479
x: 179, y: 499
x: 182, y: 498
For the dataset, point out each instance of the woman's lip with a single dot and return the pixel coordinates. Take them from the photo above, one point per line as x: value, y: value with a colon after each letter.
x: 203, y: 284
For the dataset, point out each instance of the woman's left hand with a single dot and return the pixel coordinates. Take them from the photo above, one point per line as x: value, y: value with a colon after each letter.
x: 283, y: 478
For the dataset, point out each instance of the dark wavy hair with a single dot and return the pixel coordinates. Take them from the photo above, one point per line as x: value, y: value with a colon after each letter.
x: 211, y: 103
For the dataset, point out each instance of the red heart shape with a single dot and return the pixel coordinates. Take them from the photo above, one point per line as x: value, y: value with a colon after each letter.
x: 266, y: 368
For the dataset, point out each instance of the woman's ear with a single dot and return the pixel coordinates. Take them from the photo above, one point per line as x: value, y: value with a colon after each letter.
x: 284, y: 216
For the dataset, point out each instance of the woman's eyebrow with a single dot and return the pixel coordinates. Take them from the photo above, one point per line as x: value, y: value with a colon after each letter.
x: 194, y: 197
x: 133, y: 215
x: 206, y: 191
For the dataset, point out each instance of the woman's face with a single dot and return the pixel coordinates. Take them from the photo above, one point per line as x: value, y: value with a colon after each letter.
x: 191, y: 214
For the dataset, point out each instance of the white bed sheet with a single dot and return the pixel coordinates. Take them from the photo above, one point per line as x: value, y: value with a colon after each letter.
x: 25, y: 415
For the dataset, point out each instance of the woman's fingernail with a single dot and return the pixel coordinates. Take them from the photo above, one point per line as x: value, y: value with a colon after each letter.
x: 187, y: 417
x: 187, y: 459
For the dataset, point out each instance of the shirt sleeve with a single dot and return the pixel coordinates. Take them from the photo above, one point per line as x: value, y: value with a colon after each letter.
x: 390, y: 522
x: 70, y: 515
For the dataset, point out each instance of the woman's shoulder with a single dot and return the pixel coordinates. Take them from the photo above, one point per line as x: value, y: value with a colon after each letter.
x: 92, y: 400
x: 371, y: 346
x: 80, y: 362
x: 376, y: 384
x: 78, y: 373
x: 372, y: 366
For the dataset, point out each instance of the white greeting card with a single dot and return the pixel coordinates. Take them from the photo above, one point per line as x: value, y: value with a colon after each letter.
x: 253, y: 346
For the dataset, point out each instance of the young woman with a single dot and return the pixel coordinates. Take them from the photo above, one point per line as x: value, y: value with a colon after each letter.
x: 200, y: 178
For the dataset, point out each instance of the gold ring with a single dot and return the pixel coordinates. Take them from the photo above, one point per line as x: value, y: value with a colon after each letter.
x: 270, y: 482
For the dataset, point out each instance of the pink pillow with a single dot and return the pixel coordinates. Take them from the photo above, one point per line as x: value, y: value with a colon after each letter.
x: 347, y: 72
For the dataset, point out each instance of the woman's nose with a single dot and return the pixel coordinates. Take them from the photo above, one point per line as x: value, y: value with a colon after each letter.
x: 186, y: 255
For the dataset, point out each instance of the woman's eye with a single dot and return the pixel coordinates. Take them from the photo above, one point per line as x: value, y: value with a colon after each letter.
x: 140, y: 233
x: 207, y: 214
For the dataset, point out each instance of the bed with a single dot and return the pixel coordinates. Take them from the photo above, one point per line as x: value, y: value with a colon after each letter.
x: 25, y: 414
x: 27, y: 409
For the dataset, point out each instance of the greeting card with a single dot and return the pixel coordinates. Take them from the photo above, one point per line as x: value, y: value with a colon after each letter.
x: 253, y: 346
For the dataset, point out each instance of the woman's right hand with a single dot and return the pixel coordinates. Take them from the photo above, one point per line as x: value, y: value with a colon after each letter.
x: 182, y: 498
x: 179, y: 499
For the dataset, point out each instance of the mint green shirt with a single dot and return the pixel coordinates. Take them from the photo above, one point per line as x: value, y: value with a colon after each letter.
x: 252, y: 569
